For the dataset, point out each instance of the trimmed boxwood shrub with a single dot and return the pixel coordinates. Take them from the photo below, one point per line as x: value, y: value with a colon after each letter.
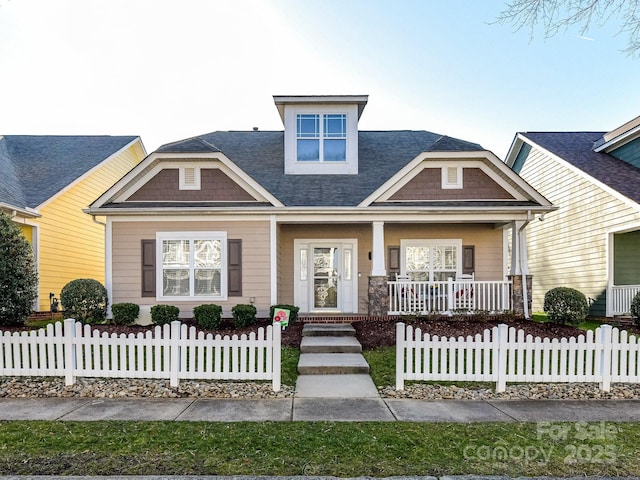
x: 635, y: 307
x: 208, y: 316
x: 566, y: 305
x: 244, y: 315
x: 84, y: 300
x: 161, y: 314
x: 125, y: 313
x: 293, y: 316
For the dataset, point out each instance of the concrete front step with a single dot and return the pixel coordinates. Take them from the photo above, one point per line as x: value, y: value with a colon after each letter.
x: 336, y: 386
x: 330, y: 345
x: 328, y: 330
x: 332, y: 363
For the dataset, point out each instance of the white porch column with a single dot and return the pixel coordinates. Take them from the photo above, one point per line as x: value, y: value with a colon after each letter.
x: 377, y: 251
x: 273, y: 258
x: 519, y: 256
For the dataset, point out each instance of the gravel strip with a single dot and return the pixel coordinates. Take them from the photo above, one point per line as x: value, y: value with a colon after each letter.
x: 38, y: 387
x: 529, y: 391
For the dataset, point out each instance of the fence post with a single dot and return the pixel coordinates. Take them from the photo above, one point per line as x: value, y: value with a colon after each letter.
x: 277, y: 357
x: 69, y: 332
x: 499, y: 357
x: 174, y: 342
x: 604, y: 345
x: 400, y: 347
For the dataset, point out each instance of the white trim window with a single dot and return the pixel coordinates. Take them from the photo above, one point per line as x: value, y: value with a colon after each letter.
x: 191, y: 265
x: 431, y: 260
x: 321, y: 137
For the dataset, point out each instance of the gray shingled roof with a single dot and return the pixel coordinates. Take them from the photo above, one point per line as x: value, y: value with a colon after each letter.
x: 261, y: 155
x: 577, y: 149
x: 36, y: 167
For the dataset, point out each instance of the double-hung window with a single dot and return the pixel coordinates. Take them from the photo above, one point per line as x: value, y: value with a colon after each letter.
x: 192, y: 265
x: 431, y: 260
x: 321, y: 137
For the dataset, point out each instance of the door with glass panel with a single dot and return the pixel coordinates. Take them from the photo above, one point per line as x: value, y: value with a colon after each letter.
x: 324, y: 276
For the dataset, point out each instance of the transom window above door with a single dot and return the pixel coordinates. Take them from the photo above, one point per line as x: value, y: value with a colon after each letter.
x: 321, y: 137
x: 431, y: 260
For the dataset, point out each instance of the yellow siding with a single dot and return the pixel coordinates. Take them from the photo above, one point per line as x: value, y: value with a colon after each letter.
x: 569, y: 248
x: 127, y: 237
x: 71, y: 243
x: 27, y: 232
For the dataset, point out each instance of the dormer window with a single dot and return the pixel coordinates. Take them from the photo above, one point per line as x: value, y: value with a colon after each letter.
x: 321, y: 133
x: 321, y: 138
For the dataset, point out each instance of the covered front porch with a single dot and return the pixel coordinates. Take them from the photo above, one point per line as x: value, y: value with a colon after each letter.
x: 624, y: 272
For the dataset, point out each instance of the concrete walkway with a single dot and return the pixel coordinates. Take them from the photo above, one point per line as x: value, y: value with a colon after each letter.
x: 318, y: 409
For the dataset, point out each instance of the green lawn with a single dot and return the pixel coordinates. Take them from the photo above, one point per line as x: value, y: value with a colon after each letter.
x: 318, y: 448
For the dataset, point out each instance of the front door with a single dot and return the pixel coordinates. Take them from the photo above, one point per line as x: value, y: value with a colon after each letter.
x: 325, y: 279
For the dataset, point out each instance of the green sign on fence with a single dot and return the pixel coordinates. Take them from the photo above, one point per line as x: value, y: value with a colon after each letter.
x: 281, y: 317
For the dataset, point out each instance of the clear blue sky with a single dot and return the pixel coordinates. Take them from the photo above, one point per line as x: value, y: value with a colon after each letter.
x: 167, y: 70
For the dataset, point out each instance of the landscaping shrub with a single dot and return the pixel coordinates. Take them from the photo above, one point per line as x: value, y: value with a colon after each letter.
x: 566, y: 306
x: 161, y: 314
x: 84, y: 300
x: 293, y: 316
x: 18, y: 275
x: 635, y: 307
x: 208, y: 316
x: 125, y: 313
x: 244, y: 315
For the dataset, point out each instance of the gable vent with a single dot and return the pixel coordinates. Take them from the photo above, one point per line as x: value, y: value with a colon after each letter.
x: 189, y: 178
x: 451, y: 177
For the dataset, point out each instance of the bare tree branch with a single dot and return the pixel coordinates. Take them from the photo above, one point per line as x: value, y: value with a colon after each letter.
x: 556, y: 16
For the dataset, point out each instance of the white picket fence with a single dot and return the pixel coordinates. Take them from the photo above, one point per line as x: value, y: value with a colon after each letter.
x: 503, y: 355
x: 174, y: 351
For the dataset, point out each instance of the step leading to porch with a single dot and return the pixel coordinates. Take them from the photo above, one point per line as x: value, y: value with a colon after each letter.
x: 328, y: 330
x: 330, y: 345
x: 332, y: 363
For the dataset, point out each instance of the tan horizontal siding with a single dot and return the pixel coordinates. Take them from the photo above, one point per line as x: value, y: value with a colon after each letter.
x: 127, y: 237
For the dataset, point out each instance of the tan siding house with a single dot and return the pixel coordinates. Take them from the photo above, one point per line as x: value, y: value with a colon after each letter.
x: 332, y: 219
x: 597, y: 198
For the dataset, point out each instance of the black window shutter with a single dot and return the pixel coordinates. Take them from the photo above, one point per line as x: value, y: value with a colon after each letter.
x: 393, y: 256
x: 234, y: 267
x: 148, y: 268
x: 468, y: 259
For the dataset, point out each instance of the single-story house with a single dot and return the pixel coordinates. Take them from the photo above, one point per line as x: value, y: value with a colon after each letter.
x: 46, y: 183
x: 592, y: 243
x: 322, y: 215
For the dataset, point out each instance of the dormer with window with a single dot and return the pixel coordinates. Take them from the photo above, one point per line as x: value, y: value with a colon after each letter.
x: 321, y: 133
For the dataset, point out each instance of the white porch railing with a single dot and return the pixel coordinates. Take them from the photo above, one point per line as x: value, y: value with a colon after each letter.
x: 173, y: 351
x: 619, y: 299
x: 407, y: 297
x: 505, y: 354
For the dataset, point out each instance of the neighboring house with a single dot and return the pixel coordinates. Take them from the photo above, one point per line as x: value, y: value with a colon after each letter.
x: 320, y: 215
x: 592, y: 243
x: 46, y: 182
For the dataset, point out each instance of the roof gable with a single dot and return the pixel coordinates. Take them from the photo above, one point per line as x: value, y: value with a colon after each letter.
x: 39, y: 167
x: 576, y: 148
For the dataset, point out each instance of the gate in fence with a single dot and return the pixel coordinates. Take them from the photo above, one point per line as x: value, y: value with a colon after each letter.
x: 503, y: 355
x: 173, y: 351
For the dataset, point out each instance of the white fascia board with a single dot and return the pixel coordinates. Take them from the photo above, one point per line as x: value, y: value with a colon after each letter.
x: 585, y: 175
x: 89, y: 172
x: 515, y: 147
x: 475, y: 158
x: 24, y: 212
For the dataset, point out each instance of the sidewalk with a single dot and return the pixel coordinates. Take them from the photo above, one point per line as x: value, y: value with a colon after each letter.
x: 318, y: 409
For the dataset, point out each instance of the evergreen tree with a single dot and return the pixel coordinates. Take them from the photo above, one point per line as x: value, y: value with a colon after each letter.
x: 18, y: 275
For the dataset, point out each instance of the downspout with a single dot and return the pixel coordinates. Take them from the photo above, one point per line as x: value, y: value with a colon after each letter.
x: 524, y: 268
